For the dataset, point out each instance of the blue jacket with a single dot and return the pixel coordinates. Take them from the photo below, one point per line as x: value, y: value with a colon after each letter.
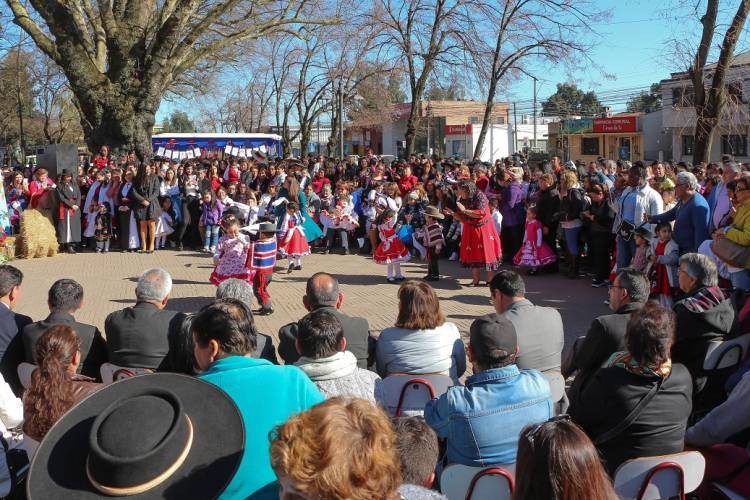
x: 266, y: 395
x: 691, y: 223
x: 483, y: 419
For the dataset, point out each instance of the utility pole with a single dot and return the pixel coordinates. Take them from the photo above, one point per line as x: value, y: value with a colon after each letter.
x: 318, y: 142
x: 429, y: 115
x: 533, y: 143
x: 515, y: 130
x: 19, y: 100
x: 341, y: 119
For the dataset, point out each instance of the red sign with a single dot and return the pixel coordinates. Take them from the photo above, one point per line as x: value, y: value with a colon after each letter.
x: 615, y: 124
x: 458, y: 129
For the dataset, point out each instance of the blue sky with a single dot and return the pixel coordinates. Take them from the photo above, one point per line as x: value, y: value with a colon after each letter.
x: 634, y: 47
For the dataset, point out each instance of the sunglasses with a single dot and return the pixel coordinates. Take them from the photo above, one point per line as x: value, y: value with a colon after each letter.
x: 533, y: 431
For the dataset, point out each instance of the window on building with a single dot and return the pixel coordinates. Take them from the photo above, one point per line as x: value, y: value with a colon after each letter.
x: 500, y: 120
x: 683, y: 96
x: 590, y: 145
x: 687, y: 145
x: 474, y: 120
x: 735, y: 145
x: 734, y: 92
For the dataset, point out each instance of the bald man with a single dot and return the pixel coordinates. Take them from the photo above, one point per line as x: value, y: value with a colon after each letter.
x: 323, y: 292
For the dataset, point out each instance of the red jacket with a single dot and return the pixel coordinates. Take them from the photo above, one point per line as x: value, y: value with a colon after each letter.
x: 406, y: 184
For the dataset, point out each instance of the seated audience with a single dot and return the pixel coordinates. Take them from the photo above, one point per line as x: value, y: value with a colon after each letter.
x: 422, y: 342
x: 557, y: 461
x: 65, y: 297
x: 419, y: 450
x: 234, y: 288
x: 639, y: 403
x: 265, y: 394
x: 539, y: 329
x: 138, y: 336
x: 342, y: 448
x: 498, y: 396
x: 704, y: 314
x: 11, y: 324
x: 321, y: 343
x: 322, y: 292
x: 11, y: 416
x: 55, y: 385
x: 606, y: 334
x: 181, y: 358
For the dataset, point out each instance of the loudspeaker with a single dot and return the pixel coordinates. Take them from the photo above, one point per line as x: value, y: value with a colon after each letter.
x: 56, y: 157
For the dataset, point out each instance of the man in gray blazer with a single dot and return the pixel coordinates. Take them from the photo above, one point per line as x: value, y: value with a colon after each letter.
x: 323, y: 292
x: 539, y: 329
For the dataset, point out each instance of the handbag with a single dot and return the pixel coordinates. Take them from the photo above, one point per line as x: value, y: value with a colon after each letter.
x: 730, y: 252
x: 631, y: 417
x: 626, y: 230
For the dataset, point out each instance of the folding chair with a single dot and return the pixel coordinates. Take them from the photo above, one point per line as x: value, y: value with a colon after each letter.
x: 24, y: 373
x: 665, y: 476
x: 407, y: 395
x: 462, y: 482
x: 726, y: 353
x: 112, y: 373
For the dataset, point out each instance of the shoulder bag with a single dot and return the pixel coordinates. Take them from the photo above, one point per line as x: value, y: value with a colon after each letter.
x: 631, y: 417
x: 730, y: 252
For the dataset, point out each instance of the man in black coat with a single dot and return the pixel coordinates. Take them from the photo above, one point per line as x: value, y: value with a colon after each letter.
x: 137, y: 337
x: 322, y: 292
x: 606, y: 335
x: 64, y: 298
x: 11, y: 323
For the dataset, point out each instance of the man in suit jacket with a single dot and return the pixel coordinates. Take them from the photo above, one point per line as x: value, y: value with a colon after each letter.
x: 64, y: 298
x: 11, y: 346
x: 322, y: 292
x: 539, y: 330
x: 137, y: 337
x: 606, y: 335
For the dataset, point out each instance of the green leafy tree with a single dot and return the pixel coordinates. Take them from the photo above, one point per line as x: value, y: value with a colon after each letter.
x: 569, y: 100
x: 179, y: 122
x: 646, y: 101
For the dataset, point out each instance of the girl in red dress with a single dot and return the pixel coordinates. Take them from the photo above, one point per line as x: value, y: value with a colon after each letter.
x: 292, y: 240
x: 534, y: 252
x: 231, y: 254
x: 391, y: 251
x: 480, y: 244
x: 665, y: 261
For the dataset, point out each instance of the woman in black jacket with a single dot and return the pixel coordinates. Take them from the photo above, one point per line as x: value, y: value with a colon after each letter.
x: 547, y: 206
x: 638, y: 404
x: 599, y: 218
x: 145, y: 194
x: 572, y: 203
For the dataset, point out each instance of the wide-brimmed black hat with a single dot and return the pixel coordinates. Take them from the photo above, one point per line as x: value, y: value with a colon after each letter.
x: 154, y: 436
x: 267, y: 227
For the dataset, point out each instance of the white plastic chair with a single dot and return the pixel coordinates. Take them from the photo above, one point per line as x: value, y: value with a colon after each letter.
x: 24, y: 373
x: 112, y: 373
x: 407, y: 395
x: 726, y: 353
x: 664, y: 476
x: 461, y: 482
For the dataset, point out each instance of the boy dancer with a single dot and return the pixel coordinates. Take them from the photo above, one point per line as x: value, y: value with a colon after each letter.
x: 431, y: 235
x: 261, y: 260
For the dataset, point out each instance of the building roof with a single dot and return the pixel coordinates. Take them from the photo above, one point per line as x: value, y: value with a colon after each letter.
x: 741, y: 59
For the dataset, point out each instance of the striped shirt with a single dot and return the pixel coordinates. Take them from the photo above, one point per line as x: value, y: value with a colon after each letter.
x: 264, y: 256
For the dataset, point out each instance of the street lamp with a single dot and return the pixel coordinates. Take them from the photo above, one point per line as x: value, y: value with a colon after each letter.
x: 429, y: 116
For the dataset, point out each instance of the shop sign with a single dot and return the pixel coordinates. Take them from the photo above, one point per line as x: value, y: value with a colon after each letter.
x: 615, y: 124
x: 458, y: 129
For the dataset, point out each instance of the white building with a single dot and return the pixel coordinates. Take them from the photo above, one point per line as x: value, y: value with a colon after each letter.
x: 524, y: 132
x: 678, y: 114
x: 460, y: 141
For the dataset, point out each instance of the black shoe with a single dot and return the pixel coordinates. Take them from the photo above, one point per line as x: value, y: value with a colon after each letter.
x: 298, y: 268
x: 290, y: 269
x: 71, y: 249
x: 599, y: 284
x: 432, y: 278
x: 391, y: 280
x: 400, y: 278
x: 532, y: 272
x: 265, y: 311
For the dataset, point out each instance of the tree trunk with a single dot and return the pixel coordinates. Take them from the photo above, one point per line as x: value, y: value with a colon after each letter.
x: 333, y: 137
x: 411, y: 125
x: 117, y: 122
x: 486, y: 119
x: 703, y: 139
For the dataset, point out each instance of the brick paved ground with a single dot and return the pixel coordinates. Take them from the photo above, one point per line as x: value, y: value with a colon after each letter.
x: 109, y: 284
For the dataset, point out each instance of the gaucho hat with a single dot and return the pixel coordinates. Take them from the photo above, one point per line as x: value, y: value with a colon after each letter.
x: 154, y: 436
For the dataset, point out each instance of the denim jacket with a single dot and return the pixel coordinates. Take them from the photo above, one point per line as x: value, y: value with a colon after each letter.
x: 482, y: 420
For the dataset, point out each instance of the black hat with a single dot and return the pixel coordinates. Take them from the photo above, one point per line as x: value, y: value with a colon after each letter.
x: 155, y: 436
x: 643, y: 233
x: 65, y: 172
x: 433, y: 212
x: 267, y: 227
x: 491, y: 334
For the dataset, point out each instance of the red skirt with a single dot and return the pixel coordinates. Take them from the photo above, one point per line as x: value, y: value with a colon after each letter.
x: 295, y: 245
x: 480, y: 246
x: 396, y: 252
x: 217, y: 278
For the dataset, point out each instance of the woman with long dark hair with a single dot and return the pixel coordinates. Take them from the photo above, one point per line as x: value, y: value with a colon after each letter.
x: 147, y: 210
x: 292, y: 192
x: 480, y: 243
x: 191, y: 208
x: 557, y: 461
x: 55, y: 385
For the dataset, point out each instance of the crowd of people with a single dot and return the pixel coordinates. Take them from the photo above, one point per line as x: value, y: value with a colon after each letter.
x: 669, y: 242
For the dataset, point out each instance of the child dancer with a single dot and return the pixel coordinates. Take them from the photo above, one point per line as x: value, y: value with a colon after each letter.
x: 261, y: 260
x: 292, y: 240
x: 665, y: 261
x: 338, y: 216
x: 103, y: 228
x: 497, y: 217
x: 534, y: 252
x: 230, y: 257
x: 391, y: 251
x: 165, y: 224
x: 432, y: 238
x: 642, y: 238
x: 211, y: 212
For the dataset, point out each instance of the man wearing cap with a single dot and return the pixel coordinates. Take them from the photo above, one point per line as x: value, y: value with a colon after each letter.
x: 539, y: 329
x: 482, y: 420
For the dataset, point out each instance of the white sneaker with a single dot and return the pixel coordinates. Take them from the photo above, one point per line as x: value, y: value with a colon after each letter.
x: 205, y: 250
x: 454, y: 256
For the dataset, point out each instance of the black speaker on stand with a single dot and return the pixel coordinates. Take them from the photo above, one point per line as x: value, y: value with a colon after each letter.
x: 56, y: 157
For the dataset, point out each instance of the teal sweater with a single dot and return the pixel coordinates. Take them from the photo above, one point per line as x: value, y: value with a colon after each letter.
x: 266, y: 395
